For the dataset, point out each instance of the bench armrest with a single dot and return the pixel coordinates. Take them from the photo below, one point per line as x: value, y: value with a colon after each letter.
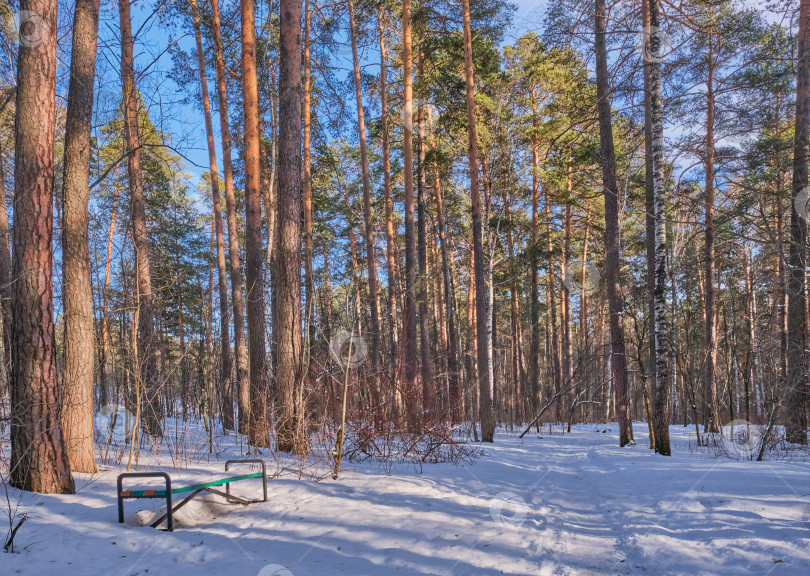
x: 122, y: 495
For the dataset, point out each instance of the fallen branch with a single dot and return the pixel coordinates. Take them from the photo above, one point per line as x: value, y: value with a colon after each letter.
x: 10, y: 541
x: 551, y: 402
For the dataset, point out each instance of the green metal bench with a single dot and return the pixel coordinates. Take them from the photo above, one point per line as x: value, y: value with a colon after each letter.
x: 195, y: 489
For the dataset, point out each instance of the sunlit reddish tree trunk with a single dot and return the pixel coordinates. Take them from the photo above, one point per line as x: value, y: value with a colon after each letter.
x: 104, y: 338
x: 287, y: 286
x: 454, y: 390
x: 371, y: 258
x: 565, y: 292
x: 239, y: 345
x: 481, y: 305
x: 77, y: 391
x: 534, y: 283
x: 306, y: 183
x: 471, y: 350
x: 147, y: 352
x: 618, y: 358
x: 5, y: 271
x: 39, y: 460
x: 551, y: 304
x: 517, y: 359
x: 410, y: 358
x: 258, y: 427
x: 797, y: 382
x: 224, y: 324
x: 710, y: 327
x: 393, y: 341
x: 425, y: 353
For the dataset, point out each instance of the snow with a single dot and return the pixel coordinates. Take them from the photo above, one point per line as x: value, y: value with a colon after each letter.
x: 573, y: 504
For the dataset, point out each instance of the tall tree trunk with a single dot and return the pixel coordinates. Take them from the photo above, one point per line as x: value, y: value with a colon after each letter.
x: 306, y: 186
x: 270, y: 205
x: 389, y: 203
x: 534, y: 301
x: 371, y: 258
x: 147, y: 351
x: 481, y: 304
x: 518, y: 364
x: 287, y: 286
x: 456, y: 319
x: 454, y: 391
x: 39, y: 458
x: 489, y: 247
x: 782, y: 280
x: 225, y: 338
x: 104, y: 339
x: 436, y: 298
x: 426, y: 356
x: 662, y: 376
x: 77, y: 388
x: 240, y: 347
x: 618, y: 359
x: 411, y: 352
x: 208, y: 360
x: 649, y: 220
x: 749, y: 374
x: 710, y: 326
x: 327, y: 297
x: 797, y: 386
x: 181, y: 329
x: 471, y: 346
x: 258, y: 427
x: 781, y: 303
x: 355, y: 277
x: 583, y: 290
x: 5, y: 272
x: 566, y: 322
x: 269, y: 196
x: 583, y: 318
x: 551, y: 304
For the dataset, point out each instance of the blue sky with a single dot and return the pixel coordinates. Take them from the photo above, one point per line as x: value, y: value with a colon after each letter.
x: 189, y: 123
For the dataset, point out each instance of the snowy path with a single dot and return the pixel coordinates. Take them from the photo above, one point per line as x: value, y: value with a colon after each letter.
x: 564, y: 505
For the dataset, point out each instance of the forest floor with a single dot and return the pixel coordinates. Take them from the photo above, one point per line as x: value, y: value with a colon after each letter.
x: 573, y: 504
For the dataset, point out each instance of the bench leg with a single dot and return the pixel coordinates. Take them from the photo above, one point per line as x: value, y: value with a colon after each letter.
x: 170, y: 511
x: 120, y: 502
x: 166, y: 479
x: 253, y: 461
x: 229, y: 497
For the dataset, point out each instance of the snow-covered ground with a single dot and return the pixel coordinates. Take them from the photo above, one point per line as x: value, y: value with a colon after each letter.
x: 545, y: 504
